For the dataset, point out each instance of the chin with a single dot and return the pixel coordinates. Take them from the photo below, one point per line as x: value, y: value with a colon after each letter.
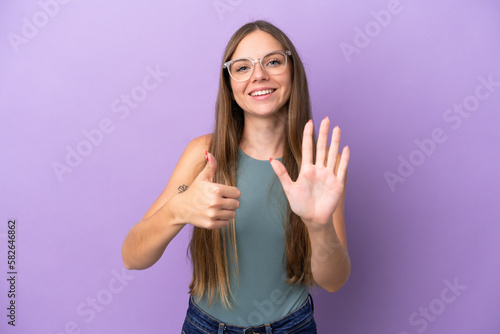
x: 262, y: 112
x: 265, y: 110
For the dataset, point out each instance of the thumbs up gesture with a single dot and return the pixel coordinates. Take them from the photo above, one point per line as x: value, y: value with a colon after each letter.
x: 210, y: 205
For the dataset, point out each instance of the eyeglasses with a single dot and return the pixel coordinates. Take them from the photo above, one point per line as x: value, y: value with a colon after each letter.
x: 273, y: 63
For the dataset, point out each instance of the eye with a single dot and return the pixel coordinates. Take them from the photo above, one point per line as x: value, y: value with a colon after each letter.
x: 273, y: 62
x: 242, y: 68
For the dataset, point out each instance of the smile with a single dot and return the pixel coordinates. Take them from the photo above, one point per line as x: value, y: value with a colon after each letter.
x: 262, y: 92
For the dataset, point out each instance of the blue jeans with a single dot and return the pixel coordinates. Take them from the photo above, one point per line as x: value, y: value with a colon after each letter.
x: 300, y: 321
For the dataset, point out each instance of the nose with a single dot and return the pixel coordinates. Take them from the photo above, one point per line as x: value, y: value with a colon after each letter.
x: 259, y: 73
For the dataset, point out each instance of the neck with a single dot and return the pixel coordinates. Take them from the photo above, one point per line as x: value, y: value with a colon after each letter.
x: 264, y: 138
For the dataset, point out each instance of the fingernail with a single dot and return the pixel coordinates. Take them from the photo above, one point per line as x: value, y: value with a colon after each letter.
x: 270, y: 159
x: 206, y: 155
x: 326, y: 117
x: 309, y: 121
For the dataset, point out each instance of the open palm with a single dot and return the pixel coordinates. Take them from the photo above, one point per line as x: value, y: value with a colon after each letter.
x: 316, y: 193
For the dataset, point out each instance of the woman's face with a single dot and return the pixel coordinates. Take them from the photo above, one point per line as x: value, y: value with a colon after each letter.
x: 254, y: 46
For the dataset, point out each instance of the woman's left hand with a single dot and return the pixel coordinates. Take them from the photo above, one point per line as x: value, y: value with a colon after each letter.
x: 316, y: 193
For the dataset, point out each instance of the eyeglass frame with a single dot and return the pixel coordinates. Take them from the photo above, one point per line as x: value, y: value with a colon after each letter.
x: 285, y: 53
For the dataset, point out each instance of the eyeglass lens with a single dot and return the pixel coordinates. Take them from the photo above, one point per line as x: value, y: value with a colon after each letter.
x: 273, y: 63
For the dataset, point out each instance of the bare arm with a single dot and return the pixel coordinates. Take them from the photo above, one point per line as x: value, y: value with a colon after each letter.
x: 317, y: 197
x: 201, y: 203
x: 330, y: 262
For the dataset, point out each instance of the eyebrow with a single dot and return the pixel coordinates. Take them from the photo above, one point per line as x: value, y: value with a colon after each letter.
x: 256, y: 58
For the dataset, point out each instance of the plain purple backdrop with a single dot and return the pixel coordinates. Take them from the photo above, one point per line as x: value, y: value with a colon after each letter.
x: 423, y: 186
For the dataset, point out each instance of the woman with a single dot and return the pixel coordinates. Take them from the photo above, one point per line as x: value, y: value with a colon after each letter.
x: 260, y: 240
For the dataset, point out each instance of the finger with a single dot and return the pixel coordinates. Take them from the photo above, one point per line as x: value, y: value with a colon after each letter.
x: 322, y: 141
x: 217, y: 223
x: 225, y: 215
x: 214, y: 216
x: 229, y: 204
x: 208, y: 172
x: 228, y: 191
x: 307, y: 144
x: 342, y: 170
x: 334, y: 149
x: 280, y: 170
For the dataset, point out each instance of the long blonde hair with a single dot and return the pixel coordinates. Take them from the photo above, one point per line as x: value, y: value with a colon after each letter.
x: 208, y: 248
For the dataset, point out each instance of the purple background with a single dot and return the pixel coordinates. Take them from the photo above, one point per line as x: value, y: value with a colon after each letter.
x: 440, y: 225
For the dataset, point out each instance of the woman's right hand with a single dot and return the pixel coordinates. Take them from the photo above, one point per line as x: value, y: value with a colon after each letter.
x: 204, y: 204
x: 207, y: 204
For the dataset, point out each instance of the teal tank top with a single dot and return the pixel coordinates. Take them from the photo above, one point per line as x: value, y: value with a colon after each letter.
x: 261, y: 295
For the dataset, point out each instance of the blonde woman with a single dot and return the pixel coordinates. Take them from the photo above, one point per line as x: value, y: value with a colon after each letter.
x: 266, y: 204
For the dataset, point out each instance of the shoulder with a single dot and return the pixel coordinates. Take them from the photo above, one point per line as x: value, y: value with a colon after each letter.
x: 194, y: 154
x: 201, y: 142
x: 188, y: 167
x: 198, y: 146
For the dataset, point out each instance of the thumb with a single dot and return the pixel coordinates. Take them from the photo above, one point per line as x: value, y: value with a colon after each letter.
x: 282, y: 174
x: 208, y: 172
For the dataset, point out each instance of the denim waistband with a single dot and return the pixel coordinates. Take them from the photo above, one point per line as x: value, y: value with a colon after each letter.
x: 211, y: 325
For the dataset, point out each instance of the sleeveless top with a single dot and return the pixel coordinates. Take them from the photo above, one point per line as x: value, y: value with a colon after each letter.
x: 261, y: 295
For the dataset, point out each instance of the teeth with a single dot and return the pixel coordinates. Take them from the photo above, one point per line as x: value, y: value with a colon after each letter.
x: 262, y: 92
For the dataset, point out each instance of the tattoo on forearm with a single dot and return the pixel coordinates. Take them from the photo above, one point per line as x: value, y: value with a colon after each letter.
x: 182, y: 188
